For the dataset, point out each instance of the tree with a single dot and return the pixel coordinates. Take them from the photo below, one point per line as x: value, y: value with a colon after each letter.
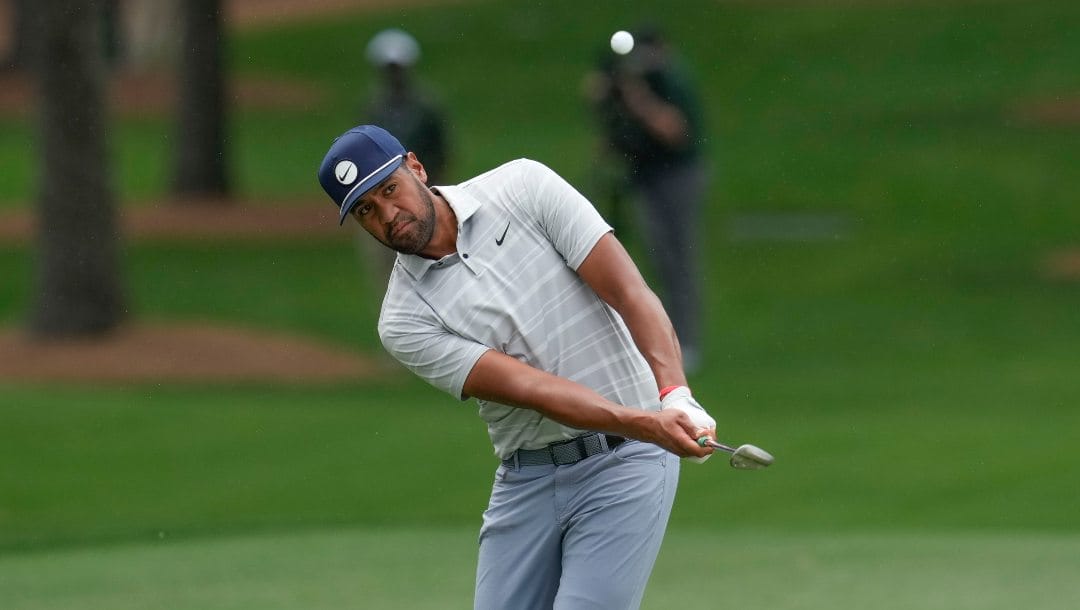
x: 201, y: 168
x: 20, y: 15
x: 79, y: 290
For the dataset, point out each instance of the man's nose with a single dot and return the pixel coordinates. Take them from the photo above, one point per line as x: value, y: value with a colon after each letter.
x: 386, y: 211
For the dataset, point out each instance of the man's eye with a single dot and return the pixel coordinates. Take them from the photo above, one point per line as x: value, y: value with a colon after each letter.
x: 390, y: 188
x: 363, y: 209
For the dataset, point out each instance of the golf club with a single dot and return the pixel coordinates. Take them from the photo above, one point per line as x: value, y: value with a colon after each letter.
x: 745, y: 457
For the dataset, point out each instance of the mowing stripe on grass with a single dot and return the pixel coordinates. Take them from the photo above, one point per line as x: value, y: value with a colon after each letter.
x: 433, y: 568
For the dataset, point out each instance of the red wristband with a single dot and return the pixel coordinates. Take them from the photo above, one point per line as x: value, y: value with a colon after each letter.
x: 664, y: 392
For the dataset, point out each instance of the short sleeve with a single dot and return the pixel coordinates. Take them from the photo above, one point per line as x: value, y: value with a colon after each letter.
x: 416, y: 338
x: 570, y: 221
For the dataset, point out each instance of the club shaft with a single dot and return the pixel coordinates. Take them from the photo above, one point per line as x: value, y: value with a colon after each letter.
x: 708, y: 442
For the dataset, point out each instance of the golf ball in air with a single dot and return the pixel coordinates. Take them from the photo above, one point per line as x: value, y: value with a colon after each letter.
x: 622, y: 42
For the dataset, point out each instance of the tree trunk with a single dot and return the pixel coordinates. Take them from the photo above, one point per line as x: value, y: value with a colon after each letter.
x: 19, y: 51
x: 200, y: 132
x: 78, y: 285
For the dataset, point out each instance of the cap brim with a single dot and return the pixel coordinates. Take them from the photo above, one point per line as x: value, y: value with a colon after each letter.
x: 365, y: 185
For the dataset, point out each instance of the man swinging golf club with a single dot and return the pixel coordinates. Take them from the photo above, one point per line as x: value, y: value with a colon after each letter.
x: 510, y: 288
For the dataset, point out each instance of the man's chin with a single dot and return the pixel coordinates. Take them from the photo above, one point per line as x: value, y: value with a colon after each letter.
x: 412, y: 243
x: 406, y: 247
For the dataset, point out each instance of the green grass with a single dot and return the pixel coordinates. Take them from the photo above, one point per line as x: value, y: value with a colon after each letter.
x: 432, y: 568
x: 112, y: 464
x: 915, y: 379
x: 982, y: 447
x: 787, y: 91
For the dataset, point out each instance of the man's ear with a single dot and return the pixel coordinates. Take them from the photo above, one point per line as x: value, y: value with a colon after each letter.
x: 416, y: 167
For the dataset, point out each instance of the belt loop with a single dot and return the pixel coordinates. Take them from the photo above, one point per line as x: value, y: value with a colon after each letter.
x: 517, y: 461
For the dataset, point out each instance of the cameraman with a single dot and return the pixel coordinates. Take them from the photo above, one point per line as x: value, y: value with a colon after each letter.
x: 650, y: 117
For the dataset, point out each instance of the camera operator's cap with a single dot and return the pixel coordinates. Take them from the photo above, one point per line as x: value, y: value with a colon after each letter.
x: 393, y: 46
x: 357, y: 161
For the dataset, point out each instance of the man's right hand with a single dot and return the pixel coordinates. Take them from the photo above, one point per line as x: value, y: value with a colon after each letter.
x: 673, y: 430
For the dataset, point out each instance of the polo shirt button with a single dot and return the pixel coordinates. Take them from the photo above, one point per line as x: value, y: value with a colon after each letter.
x: 465, y: 256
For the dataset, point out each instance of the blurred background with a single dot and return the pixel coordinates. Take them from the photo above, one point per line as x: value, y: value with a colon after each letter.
x: 194, y: 409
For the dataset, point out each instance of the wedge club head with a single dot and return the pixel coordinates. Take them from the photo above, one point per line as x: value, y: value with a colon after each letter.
x: 744, y: 457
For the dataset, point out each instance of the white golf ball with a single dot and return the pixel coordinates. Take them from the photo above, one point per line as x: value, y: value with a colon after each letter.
x: 622, y: 42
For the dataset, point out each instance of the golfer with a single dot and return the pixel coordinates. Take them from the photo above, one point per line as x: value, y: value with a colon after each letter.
x: 510, y: 289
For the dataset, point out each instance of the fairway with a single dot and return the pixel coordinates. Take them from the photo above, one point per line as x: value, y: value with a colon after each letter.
x: 431, y: 569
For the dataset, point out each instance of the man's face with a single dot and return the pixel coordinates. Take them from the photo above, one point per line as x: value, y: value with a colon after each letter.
x: 399, y: 212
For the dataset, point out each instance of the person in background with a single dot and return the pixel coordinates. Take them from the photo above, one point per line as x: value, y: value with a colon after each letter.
x: 650, y: 118
x: 403, y: 105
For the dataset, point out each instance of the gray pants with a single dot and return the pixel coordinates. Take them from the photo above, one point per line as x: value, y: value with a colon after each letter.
x: 672, y: 201
x: 580, y: 536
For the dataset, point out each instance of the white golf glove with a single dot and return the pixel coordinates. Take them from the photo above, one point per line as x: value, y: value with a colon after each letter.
x: 680, y: 398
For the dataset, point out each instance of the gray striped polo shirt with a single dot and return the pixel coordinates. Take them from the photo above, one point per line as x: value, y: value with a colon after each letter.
x: 512, y: 287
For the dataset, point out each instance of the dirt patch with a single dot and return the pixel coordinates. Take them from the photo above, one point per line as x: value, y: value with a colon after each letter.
x: 202, y: 353
x: 1057, y: 112
x: 205, y: 219
x: 253, y: 14
x: 259, y: 13
x: 1062, y: 265
x: 191, y: 352
x: 196, y: 353
x: 153, y: 94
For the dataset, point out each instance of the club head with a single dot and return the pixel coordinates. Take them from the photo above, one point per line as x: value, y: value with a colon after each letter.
x: 749, y: 457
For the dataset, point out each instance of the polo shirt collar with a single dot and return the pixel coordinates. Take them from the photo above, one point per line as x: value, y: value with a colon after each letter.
x: 464, y: 206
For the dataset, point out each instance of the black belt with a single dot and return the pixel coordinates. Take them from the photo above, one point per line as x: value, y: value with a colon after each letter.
x: 565, y: 452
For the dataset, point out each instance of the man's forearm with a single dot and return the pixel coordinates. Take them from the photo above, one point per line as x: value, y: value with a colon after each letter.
x: 611, y: 272
x: 500, y: 378
x: 655, y: 338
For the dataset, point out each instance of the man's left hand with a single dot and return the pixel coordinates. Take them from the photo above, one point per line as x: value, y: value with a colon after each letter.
x: 681, y: 399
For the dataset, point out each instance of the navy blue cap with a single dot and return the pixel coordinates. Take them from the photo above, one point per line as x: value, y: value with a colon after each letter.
x: 357, y: 161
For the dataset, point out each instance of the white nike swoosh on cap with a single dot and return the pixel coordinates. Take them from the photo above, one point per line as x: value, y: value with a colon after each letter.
x: 366, y: 178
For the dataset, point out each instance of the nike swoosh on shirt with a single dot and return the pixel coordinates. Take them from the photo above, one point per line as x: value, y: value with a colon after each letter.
x: 502, y: 238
